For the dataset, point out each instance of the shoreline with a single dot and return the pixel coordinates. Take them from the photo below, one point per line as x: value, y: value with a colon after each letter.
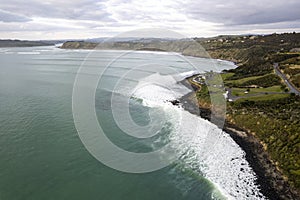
x: 270, y: 180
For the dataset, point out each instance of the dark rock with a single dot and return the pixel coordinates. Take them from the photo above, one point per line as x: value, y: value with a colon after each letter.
x: 175, y: 102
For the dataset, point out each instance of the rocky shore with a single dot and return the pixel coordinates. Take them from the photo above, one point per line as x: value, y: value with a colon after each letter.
x: 272, y: 182
x: 254, y: 55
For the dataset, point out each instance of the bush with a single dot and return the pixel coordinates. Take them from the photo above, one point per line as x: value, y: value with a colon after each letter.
x: 266, y: 81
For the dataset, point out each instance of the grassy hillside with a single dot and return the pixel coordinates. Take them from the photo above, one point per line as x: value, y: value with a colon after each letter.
x: 261, y: 103
x: 254, y: 55
x: 290, y: 66
x: 275, y: 121
x: 270, y: 114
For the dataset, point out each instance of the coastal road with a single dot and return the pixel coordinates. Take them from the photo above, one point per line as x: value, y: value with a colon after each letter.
x: 286, y: 81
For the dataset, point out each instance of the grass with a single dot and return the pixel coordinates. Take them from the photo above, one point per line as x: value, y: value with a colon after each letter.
x: 275, y: 88
x: 243, y: 80
x: 265, y: 97
x: 215, y: 89
x: 266, y: 80
x: 238, y: 91
x: 241, y: 91
x: 294, y: 66
x: 226, y: 75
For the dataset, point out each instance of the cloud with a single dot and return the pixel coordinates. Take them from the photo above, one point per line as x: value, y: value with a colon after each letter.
x: 6, y: 16
x: 233, y: 12
x: 75, y: 9
x: 97, y: 18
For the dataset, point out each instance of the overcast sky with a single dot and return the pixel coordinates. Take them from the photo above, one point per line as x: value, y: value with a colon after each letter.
x: 71, y: 19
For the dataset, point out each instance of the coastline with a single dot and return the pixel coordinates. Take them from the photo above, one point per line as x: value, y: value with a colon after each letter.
x: 271, y: 181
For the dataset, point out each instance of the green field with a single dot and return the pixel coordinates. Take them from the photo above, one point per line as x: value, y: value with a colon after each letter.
x: 241, y: 91
x: 243, y: 80
x: 265, y: 97
x: 226, y: 75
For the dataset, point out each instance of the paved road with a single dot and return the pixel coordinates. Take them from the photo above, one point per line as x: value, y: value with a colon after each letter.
x: 286, y: 81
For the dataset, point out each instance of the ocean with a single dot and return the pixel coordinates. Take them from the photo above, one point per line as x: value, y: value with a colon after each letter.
x: 49, y: 148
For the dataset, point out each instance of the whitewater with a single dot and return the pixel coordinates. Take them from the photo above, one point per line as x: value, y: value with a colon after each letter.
x: 222, y: 162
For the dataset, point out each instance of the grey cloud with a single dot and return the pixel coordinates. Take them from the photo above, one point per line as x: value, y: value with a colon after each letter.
x: 233, y: 12
x: 270, y: 28
x: 114, y: 16
x: 227, y: 12
x: 75, y: 9
x: 6, y: 16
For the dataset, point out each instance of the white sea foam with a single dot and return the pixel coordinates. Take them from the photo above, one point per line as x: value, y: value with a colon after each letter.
x: 221, y: 161
x: 203, y: 146
x: 43, y: 50
x: 158, y: 89
x: 154, y: 52
x: 184, y: 75
x: 2, y: 50
x: 59, y: 45
x: 225, y: 61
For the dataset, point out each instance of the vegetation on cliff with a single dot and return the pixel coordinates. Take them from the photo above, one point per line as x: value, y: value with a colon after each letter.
x: 274, y: 119
x: 291, y: 67
x: 254, y: 54
x: 261, y: 103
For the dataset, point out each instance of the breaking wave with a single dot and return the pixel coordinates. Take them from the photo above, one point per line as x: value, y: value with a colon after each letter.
x: 223, y: 163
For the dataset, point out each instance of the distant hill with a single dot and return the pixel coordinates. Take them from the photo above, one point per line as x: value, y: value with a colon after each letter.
x: 23, y: 43
x: 126, y: 39
x: 184, y: 46
x: 254, y: 54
